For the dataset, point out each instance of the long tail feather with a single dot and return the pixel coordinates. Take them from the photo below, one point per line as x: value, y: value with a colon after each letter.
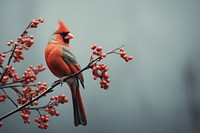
x: 78, y: 108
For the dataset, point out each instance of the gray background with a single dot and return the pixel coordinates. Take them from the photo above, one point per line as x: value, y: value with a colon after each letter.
x: 158, y: 92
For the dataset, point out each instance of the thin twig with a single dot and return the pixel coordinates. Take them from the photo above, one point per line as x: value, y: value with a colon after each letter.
x: 9, y: 97
x: 1, y: 66
x: 19, y: 93
x: 42, y: 107
x: 9, y: 86
x: 112, y: 51
x: 11, y: 83
x: 7, y: 51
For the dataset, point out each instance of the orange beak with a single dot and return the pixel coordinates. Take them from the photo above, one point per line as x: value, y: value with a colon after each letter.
x: 69, y: 36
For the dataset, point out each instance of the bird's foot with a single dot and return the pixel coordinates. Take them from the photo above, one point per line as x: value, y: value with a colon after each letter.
x: 59, y: 81
x: 62, y: 80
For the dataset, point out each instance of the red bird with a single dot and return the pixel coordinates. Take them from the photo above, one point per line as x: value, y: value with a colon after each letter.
x: 62, y: 62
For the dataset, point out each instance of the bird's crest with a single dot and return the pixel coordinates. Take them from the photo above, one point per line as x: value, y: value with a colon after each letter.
x: 61, y: 27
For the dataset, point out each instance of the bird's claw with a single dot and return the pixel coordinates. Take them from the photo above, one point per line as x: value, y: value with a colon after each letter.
x: 61, y: 81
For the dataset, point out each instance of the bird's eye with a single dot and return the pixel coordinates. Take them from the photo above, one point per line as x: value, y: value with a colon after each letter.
x: 64, y: 34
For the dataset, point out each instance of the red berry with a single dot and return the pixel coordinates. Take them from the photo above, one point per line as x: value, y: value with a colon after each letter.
x: 65, y: 99
x: 1, y: 124
x: 20, y: 38
x: 20, y: 47
x: 11, y: 41
x: 121, y: 50
x: 16, y: 43
x: 31, y: 42
x: 93, y: 46
x: 36, y: 119
x: 96, y: 53
x: 57, y: 113
x: 95, y: 78
x: 3, y: 55
x: 122, y: 54
x: 99, y: 49
x: 52, y: 98
x: 8, y: 43
x: 36, y: 22
x: 104, y: 55
x: 106, y: 75
x: 1, y: 99
x: 130, y: 57
x: 41, y: 20
x: 126, y: 59
x: 107, y: 80
x: 31, y: 36
x: 36, y: 102
x: 26, y: 31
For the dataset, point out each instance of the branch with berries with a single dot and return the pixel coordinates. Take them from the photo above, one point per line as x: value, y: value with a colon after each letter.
x: 29, y: 92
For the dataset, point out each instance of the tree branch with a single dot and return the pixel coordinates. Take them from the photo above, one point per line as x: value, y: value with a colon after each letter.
x: 56, y: 83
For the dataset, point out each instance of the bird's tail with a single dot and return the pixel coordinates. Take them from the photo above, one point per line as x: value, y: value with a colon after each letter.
x: 78, y: 107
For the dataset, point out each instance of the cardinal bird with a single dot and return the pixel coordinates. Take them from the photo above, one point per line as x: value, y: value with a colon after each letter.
x: 62, y: 62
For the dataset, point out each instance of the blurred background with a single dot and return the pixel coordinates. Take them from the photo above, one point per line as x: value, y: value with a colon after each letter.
x: 158, y: 92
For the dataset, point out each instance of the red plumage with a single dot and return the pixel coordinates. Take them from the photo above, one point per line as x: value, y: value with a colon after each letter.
x: 61, y: 27
x: 62, y: 62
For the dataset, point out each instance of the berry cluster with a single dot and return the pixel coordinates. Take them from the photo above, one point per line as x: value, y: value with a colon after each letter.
x: 10, y: 71
x: 9, y: 74
x: 37, y: 69
x: 98, y: 51
x: 31, y: 73
x: 28, y: 93
x: 101, y: 71
x: 55, y: 101
x: 3, y: 97
x: 34, y: 23
x: 41, y: 88
x: 2, y: 58
x: 124, y: 55
x: 42, y: 121
x: 25, y: 114
x: 28, y: 76
x: 26, y: 41
x: 18, y: 55
x: 59, y: 99
x: 52, y: 111
x: 21, y: 85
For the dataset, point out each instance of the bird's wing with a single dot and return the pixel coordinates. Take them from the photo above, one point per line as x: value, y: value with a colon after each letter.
x: 71, y: 61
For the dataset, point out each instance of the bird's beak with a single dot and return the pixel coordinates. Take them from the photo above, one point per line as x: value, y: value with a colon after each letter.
x: 69, y: 36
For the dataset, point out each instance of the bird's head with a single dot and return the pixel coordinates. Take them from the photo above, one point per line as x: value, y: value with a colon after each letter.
x: 63, y: 33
